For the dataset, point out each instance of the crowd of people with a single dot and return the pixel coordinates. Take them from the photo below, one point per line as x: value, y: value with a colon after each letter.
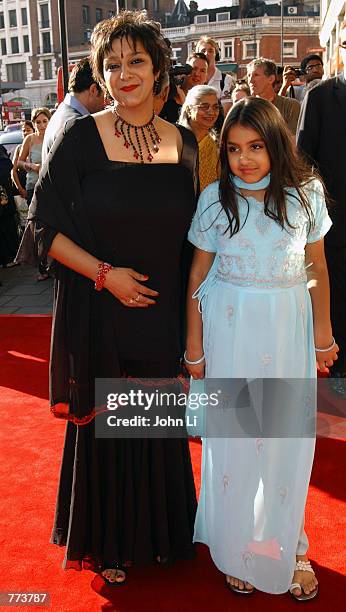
x: 122, y: 197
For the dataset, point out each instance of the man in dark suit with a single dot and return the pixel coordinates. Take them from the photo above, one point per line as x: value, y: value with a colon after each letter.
x: 84, y: 96
x: 321, y: 135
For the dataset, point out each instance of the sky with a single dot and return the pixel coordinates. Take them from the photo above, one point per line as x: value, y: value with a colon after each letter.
x: 202, y: 4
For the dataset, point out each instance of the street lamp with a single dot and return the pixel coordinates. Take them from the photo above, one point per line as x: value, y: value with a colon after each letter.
x: 282, y: 34
x: 63, y: 44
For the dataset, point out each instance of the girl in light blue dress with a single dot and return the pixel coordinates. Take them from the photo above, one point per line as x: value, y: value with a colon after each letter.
x: 258, y: 308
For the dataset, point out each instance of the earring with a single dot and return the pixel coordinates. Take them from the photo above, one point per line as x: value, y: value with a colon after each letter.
x: 156, y: 88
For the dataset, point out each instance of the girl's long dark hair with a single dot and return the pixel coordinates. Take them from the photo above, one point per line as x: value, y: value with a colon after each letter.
x: 286, y: 167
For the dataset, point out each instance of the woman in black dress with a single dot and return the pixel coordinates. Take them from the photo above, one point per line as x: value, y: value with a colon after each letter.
x: 124, y: 194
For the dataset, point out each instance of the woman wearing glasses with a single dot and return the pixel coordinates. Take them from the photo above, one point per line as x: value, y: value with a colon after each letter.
x: 199, y: 114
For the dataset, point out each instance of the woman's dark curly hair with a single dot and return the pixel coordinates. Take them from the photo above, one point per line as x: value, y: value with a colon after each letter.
x: 134, y: 27
x: 287, y: 169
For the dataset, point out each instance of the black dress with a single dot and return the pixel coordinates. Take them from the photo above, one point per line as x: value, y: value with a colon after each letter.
x: 125, y: 501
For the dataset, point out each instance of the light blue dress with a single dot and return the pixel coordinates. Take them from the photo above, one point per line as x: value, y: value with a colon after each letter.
x: 257, y: 324
x: 35, y: 157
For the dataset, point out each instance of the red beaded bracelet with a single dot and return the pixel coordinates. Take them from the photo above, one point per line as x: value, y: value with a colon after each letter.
x: 102, y: 272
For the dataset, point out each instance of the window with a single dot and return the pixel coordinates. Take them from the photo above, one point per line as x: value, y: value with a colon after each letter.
x: 202, y: 19
x: 156, y: 5
x: 176, y: 51
x: 16, y: 72
x: 85, y: 14
x: 87, y: 36
x: 14, y: 44
x: 46, y: 46
x: 290, y: 48
x: 47, y: 69
x: 24, y: 16
x: 44, y: 15
x: 26, y: 45
x: 2, y: 21
x: 228, y: 50
x: 222, y: 16
x: 3, y: 46
x: 99, y: 16
x: 51, y: 99
x: 12, y: 15
x: 250, y: 49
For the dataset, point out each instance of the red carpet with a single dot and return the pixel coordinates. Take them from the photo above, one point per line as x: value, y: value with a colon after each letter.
x: 31, y: 451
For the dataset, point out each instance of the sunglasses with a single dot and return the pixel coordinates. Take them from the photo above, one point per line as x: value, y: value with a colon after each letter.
x: 206, y: 108
x: 312, y: 66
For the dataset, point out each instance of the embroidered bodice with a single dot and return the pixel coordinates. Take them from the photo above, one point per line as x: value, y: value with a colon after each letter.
x: 261, y: 254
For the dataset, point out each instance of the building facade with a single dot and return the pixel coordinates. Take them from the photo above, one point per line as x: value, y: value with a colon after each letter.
x: 333, y: 12
x: 30, y: 40
x: 30, y: 45
x: 160, y: 10
x: 250, y: 29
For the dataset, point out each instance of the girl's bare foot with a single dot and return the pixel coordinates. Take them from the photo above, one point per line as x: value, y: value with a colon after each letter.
x: 305, y: 578
x: 238, y: 586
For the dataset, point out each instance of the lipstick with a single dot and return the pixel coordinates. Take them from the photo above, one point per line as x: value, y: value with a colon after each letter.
x: 128, y: 88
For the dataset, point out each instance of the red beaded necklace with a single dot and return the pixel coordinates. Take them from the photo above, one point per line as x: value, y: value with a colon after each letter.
x: 136, y: 135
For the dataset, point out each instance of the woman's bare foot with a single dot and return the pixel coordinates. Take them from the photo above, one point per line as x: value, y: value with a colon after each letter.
x: 306, y: 579
x: 235, y: 584
x: 114, y: 575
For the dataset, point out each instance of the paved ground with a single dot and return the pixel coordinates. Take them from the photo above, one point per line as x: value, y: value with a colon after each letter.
x: 21, y: 293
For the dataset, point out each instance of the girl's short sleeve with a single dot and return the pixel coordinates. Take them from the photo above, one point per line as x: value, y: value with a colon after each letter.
x: 203, y: 233
x: 322, y: 221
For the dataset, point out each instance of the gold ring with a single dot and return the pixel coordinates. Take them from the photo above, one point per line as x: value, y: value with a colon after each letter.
x: 130, y: 301
x: 138, y: 298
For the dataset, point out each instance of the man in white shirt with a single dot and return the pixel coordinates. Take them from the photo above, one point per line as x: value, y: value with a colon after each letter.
x: 221, y: 82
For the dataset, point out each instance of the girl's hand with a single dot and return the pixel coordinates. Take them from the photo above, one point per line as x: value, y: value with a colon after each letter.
x: 196, y: 371
x: 23, y: 193
x: 326, y: 358
x: 123, y: 284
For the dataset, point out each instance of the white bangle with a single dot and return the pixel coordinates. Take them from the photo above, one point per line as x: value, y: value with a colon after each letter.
x: 329, y: 348
x: 193, y: 362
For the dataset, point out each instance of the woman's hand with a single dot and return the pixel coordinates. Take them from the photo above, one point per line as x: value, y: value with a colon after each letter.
x: 326, y: 359
x: 180, y: 96
x: 31, y: 166
x: 124, y: 284
x: 22, y: 192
